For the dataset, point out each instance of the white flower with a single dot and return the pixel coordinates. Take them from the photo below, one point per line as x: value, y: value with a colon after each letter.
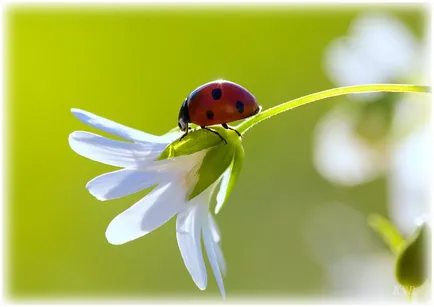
x: 351, y: 140
x: 378, y: 49
x: 354, y: 143
x: 174, y: 179
x: 340, y: 155
x: 408, y: 180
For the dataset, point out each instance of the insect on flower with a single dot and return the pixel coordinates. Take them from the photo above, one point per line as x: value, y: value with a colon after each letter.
x: 217, y: 103
x: 186, y: 174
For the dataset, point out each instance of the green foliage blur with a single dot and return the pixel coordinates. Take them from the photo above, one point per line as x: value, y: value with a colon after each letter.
x: 135, y: 65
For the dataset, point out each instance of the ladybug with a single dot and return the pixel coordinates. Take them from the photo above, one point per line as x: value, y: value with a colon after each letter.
x: 217, y: 103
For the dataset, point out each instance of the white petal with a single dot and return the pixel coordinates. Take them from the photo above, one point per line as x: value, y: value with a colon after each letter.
x: 409, y: 180
x: 220, y: 258
x: 211, y: 247
x: 190, y: 245
x: 223, y: 189
x: 387, y: 42
x: 111, y: 152
x: 115, y: 128
x: 121, y: 183
x: 149, y: 213
x: 215, y: 231
x: 182, y: 222
x: 128, y: 181
x: 345, y: 64
x: 170, y: 137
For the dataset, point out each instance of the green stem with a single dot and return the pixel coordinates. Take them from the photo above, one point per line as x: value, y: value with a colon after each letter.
x: 387, y: 231
x: 399, y: 88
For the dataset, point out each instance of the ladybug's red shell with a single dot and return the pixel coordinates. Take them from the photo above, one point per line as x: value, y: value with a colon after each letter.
x: 220, y: 102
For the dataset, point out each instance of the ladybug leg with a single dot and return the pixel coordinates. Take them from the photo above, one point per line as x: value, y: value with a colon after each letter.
x: 215, y: 132
x: 229, y: 128
x: 184, y: 135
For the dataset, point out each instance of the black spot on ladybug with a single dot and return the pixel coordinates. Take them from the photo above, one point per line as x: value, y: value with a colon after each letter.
x: 210, y: 114
x: 240, y: 106
x: 216, y: 93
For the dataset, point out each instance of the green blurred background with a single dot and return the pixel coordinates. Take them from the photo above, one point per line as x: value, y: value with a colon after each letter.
x: 135, y: 65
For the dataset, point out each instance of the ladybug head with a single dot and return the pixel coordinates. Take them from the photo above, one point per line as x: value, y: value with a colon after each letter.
x: 184, y: 116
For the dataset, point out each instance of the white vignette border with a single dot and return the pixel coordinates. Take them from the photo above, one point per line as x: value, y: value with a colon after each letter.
x: 97, y: 4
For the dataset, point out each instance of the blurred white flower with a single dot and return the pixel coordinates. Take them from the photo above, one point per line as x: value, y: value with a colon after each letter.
x: 370, y: 136
x: 174, y: 179
x: 340, y: 155
x: 378, y: 49
x: 408, y: 181
x: 351, y: 142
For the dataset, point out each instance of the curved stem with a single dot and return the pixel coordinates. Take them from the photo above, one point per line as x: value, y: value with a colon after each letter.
x: 399, y: 88
x: 387, y: 231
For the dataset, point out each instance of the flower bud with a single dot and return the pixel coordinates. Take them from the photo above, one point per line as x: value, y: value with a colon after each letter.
x: 412, y: 263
